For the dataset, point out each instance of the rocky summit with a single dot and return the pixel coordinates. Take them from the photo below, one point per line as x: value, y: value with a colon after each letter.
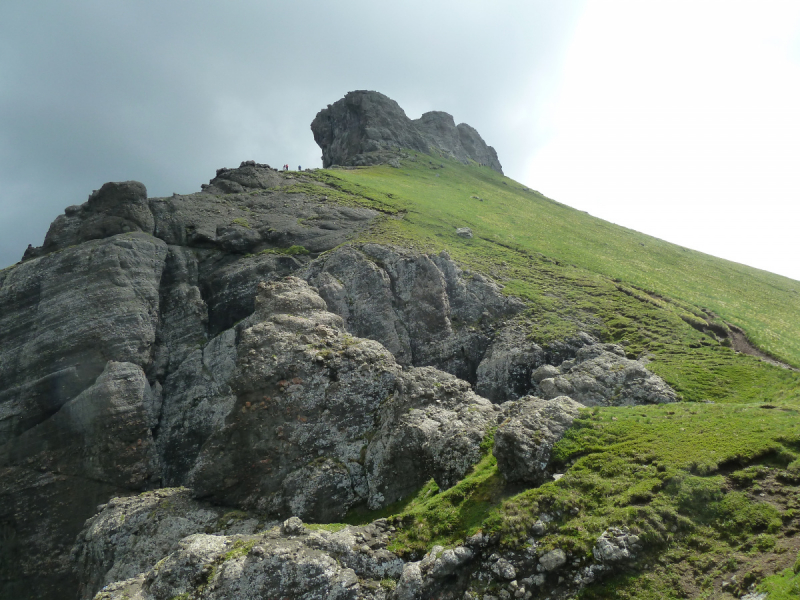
x: 367, y: 128
x: 294, y: 385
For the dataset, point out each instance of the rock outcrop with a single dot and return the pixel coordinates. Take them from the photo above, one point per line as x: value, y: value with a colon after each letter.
x: 168, y: 546
x: 524, y: 440
x: 237, y: 341
x: 128, y: 536
x: 601, y: 375
x: 323, y: 420
x: 283, y: 561
x: 423, y: 309
x: 367, y: 128
x: 114, y: 208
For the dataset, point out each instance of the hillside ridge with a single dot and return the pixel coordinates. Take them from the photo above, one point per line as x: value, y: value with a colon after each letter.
x: 413, y: 379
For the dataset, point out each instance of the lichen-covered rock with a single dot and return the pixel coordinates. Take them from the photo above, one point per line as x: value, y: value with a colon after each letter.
x: 616, y: 545
x: 431, y: 426
x: 330, y: 420
x: 130, y: 535
x: 366, y: 128
x: 302, y: 563
x: 601, y: 375
x: 555, y: 559
x: 439, y: 571
x: 503, y: 569
x: 524, y: 440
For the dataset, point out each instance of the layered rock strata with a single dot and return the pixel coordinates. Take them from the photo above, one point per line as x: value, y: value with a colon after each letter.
x: 232, y: 341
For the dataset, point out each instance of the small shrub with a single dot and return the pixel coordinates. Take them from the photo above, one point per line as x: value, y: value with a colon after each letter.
x: 698, y: 495
x: 737, y: 514
x: 388, y: 584
x: 764, y: 542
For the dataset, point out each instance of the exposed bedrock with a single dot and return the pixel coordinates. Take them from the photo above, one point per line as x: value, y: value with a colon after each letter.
x: 117, y: 207
x: 426, y: 311
x: 320, y: 417
x: 193, y: 347
x: 600, y: 375
x: 524, y: 440
x: 169, y: 546
x: 128, y: 536
x: 64, y: 315
x: 366, y: 128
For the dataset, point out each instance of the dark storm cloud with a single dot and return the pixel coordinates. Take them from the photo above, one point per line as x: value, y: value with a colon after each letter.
x: 166, y: 92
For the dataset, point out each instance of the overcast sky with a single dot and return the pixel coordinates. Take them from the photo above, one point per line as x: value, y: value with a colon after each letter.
x: 677, y: 119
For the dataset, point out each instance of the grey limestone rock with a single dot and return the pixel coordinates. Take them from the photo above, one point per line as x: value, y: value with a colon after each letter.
x: 422, y: 308
x: 255, y: 219
x: 117, y: 207
x: 98, y: 444
x: 436, y: 573
x: 545, y: 372
x: 65, y: 314
x: 616, y: 545
x: 503, y: 569
x: 366, y: 128
x: 331, y: 420
x: 77, y: 327
x: 553, y: 560
x: 292, y: 526
x: 464, y: 232
x: 312, y: 564
x: 505, y: 371
x: 130, y: 535
x: 431, y: 426
x: 600, y: 375
x: 524, y: 440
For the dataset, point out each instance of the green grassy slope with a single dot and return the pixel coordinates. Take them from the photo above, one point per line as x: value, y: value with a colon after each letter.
x: 710, y: 484
x: 765, y: 305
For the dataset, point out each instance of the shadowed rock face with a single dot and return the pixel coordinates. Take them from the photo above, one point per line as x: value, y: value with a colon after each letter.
x: 367, y: 128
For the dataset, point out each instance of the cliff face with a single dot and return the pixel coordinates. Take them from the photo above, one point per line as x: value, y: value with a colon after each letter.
x: 367, y: 128
x: 240, y: 342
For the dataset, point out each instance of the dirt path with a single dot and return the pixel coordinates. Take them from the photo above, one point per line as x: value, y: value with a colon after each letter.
x: 743, y: 345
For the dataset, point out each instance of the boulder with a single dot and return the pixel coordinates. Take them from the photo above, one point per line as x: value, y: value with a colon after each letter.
x: 616, y: 545
x: 524, y: 440
x: 555, y: 559
x: 601, y: 375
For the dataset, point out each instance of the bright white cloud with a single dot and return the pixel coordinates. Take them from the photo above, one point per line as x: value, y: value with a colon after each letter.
x: 682, y: 120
